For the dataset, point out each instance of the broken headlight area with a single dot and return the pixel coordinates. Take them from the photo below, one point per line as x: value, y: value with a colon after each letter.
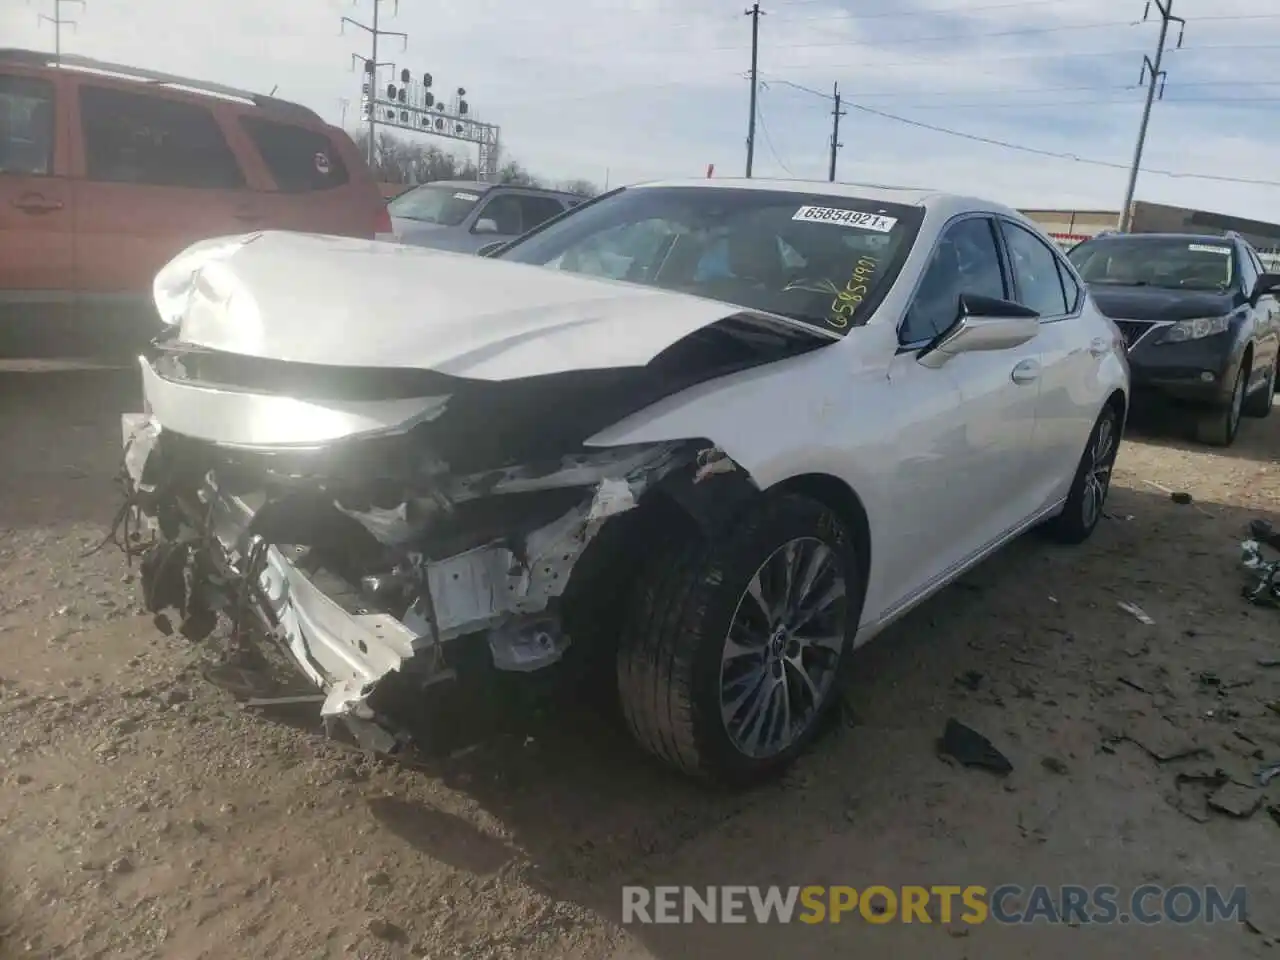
x: 369, y: 574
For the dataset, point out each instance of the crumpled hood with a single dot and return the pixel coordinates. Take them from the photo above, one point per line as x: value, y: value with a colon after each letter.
x: 314, y: 299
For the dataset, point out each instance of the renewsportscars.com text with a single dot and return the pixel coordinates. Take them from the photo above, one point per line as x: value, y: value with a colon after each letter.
x: 1005, y: 904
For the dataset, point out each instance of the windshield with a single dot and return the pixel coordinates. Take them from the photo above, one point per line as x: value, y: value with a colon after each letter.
x: 1182, y: 263
x: 822, y: 259
x: 447, y: 206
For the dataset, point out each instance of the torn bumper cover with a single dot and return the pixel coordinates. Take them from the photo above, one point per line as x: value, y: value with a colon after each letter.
x: 361, y: 571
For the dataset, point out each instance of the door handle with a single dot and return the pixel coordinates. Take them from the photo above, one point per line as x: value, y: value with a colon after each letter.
x: 36, y: 203
x: 1097, y: 346
x: 1028, y: 371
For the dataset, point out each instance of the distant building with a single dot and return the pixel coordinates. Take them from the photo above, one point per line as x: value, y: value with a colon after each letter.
x: 1069, y: 227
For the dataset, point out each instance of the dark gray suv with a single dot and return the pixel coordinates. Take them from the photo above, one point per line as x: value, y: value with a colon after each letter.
x: 465, y: 215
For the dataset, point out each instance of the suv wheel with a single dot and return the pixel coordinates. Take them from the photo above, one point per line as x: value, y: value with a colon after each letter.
x: 1258, y: 403
x: 1218, y: 426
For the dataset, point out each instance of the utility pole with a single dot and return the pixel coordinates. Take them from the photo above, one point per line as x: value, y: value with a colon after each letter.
x: 371, y: 64
x: 754, y: 13
x: 59, y: 21
x: 836, y: 114
x: 1152, y: 73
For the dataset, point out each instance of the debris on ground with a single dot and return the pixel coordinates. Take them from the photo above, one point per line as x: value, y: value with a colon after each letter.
x: 1054, y: 765
x: 1266, y: 588
x: 1132, y: 684
x: 970, y: 679
x: 1136, y: 612
x: 972, y: 749
x: 1267, y: 774
x: 1180, y: 497
x: 1236, y: 800
x: 1165, y: 743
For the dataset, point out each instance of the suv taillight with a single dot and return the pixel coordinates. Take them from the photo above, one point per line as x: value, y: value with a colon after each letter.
x: 382, y: 222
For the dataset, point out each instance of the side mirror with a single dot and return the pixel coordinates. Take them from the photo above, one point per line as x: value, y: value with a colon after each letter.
x: 1267, y: 283
x: 490, y: 248
x: 485, y: 225
x: 983, y: 323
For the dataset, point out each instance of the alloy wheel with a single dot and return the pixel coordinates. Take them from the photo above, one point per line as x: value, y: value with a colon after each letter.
x: 783, y: 647
x: 1097, y: 480
x: 1237, y: 404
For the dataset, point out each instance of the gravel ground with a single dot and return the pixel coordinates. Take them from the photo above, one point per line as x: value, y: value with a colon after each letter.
x: 145, y: 814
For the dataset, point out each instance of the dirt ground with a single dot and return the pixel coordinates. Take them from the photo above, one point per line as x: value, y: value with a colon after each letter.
x: 144, y: 813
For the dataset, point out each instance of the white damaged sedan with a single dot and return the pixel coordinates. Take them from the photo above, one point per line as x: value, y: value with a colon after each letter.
x: 693, y: 441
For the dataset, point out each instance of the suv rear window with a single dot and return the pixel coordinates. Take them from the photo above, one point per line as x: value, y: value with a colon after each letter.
x: 26, y: 126
x: 137, y: 138
x: 299, y: 160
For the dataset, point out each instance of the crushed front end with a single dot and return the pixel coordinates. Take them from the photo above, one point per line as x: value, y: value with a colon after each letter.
x: 374, y: 540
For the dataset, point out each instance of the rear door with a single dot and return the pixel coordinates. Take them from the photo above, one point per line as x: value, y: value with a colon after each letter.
x: 36, y: 203
x: 1069, y: 402
x: 512, y: 212
x: 156, y: 174
x: 316, y: 186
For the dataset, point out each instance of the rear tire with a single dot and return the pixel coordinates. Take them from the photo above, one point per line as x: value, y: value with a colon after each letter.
x: 1219, y: 426
x: 1258, y: 403
x: 727, y: 665
x: 1088, y: 495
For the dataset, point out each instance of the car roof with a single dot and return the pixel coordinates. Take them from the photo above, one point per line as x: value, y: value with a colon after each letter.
x: 284, y: 109
x: 943, y: 202
x: 481, y: 186
x: 1188, y: 237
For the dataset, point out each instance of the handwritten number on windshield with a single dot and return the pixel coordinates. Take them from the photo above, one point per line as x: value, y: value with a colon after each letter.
x: 848, y: 299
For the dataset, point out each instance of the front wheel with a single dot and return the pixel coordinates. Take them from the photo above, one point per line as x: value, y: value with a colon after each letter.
x: 1218, y: 427
x: 1258, y: 404
x: 730, y: 657
x: 1092, y: 482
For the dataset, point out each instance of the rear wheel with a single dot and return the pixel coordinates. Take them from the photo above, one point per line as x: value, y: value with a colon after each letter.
x: 1092, y: 483
x: 1218, y: 427
x: 729, y: 660
x: 1258, y: 403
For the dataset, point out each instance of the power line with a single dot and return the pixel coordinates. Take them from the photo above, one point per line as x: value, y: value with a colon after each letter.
x: 371, y: 64
x: 1053, y: 154
x: 769, y: 143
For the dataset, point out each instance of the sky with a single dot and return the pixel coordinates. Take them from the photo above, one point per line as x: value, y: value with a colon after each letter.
x: 617, y: 91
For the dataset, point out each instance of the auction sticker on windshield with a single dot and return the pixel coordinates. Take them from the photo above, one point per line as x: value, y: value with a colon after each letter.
x: 1205, y: 248
x: 465, y: 196
x: 846, y: 218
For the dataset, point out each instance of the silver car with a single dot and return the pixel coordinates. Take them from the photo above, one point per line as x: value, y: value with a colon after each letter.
x: 465, y: 215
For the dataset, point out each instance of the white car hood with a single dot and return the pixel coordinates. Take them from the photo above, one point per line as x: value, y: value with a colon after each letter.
x: 335, y: 301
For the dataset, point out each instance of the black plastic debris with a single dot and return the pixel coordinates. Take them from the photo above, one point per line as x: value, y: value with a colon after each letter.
x: 970, y: 679
x: 972, y: 749
x: 1264, y: 532
x: 1180, y: 497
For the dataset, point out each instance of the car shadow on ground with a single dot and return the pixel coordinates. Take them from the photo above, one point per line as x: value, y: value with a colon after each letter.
x: 1039, y: 626
x: 1172, y: 427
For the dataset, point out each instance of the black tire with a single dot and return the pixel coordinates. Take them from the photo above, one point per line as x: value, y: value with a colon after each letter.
x: 1258, y: 403
x: 1077, y: 521
x: 686, y: 600
x: 1219, y: 426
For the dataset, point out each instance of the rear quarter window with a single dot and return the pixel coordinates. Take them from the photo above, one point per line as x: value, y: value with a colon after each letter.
x: 300, y: 160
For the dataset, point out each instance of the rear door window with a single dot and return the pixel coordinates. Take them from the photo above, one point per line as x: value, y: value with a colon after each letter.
x: 536, y: 210
x: 26, y: 126
x: 298, y: 159
x: 1035, y: 272
x: 136, y: 138
x: 506, y: 212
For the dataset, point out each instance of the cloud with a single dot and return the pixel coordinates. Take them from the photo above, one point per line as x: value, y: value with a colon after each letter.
x: 637, y: 89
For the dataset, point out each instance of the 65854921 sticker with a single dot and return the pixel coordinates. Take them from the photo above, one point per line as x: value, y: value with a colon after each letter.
x: 846, y: 218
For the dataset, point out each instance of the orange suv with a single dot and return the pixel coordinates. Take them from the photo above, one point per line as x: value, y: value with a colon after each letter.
x: 106, y: 172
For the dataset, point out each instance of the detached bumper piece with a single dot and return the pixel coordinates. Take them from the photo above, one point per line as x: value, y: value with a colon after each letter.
x: 1265, y: 590
x: 368, y: 579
